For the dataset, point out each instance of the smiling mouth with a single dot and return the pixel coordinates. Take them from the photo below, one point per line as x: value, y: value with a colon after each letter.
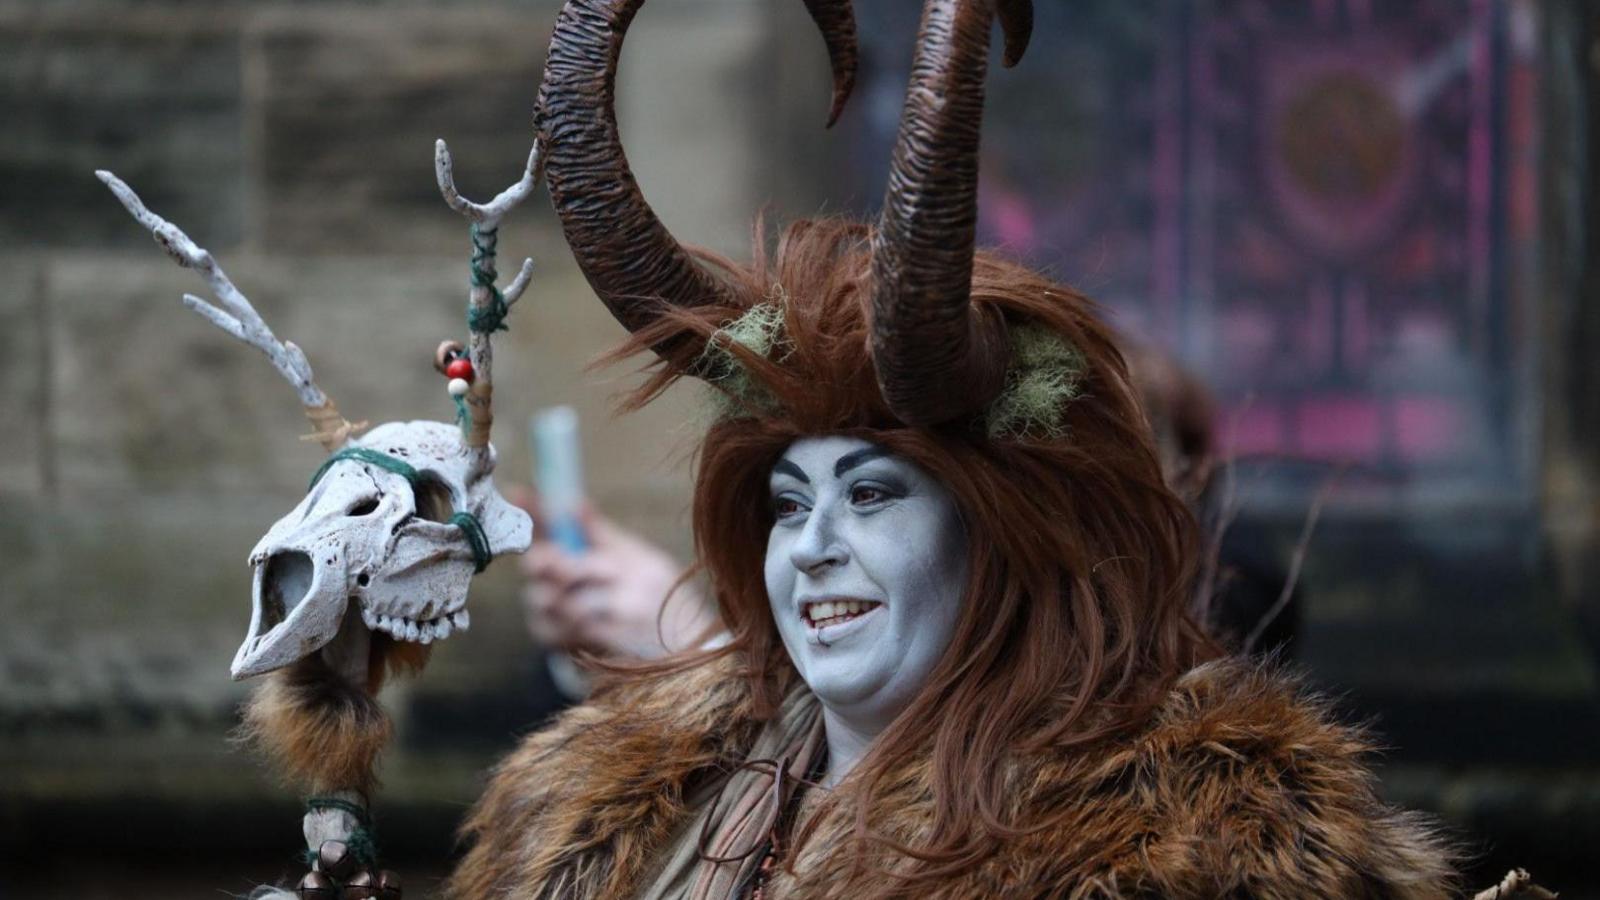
x: 818, y: 614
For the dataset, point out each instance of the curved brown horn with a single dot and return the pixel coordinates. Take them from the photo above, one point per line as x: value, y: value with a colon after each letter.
x: 1016, y: 20
x: 626, y: 253
x: 939, y: 359
x: 837, y: 21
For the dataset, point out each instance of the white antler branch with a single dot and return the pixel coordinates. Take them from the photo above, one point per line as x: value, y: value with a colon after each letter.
x: 486, y: 215
x: 235, y: 315
x: 487, y: 304
x: 518, y: 284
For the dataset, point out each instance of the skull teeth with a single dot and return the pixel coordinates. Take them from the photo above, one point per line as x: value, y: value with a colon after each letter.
x: 419, y: 632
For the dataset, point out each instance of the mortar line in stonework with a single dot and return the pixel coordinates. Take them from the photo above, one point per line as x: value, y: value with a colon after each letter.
x: 49, y: 478
x: 252, y: 130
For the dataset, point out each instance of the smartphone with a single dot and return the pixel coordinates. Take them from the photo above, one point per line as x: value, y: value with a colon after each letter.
x: 558, y: 473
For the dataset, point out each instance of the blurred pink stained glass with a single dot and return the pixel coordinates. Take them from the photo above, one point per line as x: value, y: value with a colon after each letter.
x: 1348, y: 427
x: 1427, y: 427
x: 1011, y: 221
x: 1249, y: 340
x: 1253, y: 429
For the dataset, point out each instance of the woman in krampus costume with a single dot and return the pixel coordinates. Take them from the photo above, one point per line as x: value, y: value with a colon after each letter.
x: 959, y: 660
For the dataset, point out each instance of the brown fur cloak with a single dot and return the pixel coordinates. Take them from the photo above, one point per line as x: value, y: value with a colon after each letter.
x: 1238, y: 786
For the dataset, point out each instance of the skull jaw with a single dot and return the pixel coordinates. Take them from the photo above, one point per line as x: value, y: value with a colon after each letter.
x: 349, y: 654
x: 420, y: 594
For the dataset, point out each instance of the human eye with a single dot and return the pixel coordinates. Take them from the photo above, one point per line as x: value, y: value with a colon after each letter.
x: 871, y: 495
x: 787, y: 506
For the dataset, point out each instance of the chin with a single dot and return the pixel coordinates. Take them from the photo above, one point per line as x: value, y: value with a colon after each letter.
x: 838, y: 684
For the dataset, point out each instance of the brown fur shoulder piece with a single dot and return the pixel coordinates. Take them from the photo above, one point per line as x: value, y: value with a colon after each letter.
x: 1240, y: 786
x: 582, y: 806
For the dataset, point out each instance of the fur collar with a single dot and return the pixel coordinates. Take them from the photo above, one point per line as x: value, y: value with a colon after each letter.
x: 1239, y: 786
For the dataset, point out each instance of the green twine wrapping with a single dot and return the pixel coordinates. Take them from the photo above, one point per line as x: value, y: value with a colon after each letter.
x: 361, y: 841
x: 466, y: 521
x: 372, y: 457
x: 490, y: 318
x: 473, y: 529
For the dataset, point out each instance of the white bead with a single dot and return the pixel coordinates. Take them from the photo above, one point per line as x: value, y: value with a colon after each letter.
x: 458, y: 387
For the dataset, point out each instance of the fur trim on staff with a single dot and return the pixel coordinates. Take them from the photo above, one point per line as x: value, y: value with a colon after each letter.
x: 322, y: 732
x: 1239, y: 785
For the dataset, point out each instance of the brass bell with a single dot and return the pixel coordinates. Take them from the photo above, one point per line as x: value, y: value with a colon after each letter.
x: 335, y: 859
x: 361, y: 886
x: 317, y: 886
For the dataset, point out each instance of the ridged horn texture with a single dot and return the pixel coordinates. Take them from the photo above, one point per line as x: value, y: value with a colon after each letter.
x: 630, y: 259
x: 938, y: 358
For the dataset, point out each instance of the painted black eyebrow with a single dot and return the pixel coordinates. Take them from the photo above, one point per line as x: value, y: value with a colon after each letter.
x: 851, y: 460
x: 790, y: 469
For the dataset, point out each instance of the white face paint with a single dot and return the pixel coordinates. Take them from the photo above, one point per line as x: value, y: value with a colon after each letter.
x: 865, y: 569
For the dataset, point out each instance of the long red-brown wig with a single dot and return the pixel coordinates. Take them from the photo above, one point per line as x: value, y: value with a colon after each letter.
x: 1081, y: 557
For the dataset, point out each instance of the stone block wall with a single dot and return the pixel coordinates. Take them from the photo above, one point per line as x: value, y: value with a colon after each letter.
x: 145, y: 452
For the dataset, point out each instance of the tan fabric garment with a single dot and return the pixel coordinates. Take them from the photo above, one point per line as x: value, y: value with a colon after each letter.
x: 734, y: 817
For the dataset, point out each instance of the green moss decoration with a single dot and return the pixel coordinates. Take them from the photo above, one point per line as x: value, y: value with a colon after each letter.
x: 1046, y: 373
x: 760, y: 331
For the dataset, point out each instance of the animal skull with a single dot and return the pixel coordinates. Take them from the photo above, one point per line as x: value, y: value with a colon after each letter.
x: 368, y: 540
x: 397, y: 522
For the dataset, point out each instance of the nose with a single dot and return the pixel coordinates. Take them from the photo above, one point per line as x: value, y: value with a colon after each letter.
x: 818, y: 546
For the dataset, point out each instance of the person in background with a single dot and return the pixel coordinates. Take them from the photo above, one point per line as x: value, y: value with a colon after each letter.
x: 623, y: 597
x: 1244, y: 596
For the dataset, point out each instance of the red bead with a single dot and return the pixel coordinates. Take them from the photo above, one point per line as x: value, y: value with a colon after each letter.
x: 447, y: 351
x: 459, y: 368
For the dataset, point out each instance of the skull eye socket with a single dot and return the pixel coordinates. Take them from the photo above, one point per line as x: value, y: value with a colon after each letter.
x: 364, y: 507
x: 433, y: 500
